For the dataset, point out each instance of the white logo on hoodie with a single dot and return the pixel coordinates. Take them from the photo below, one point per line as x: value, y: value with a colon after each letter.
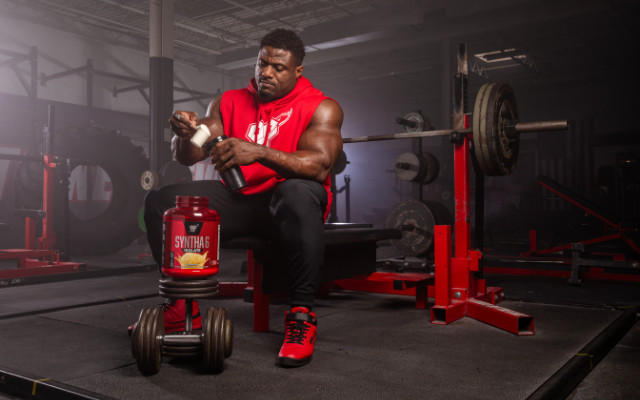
x: 274, y: 128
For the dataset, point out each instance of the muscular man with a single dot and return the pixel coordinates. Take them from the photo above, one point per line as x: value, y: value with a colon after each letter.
x: 285, y: 136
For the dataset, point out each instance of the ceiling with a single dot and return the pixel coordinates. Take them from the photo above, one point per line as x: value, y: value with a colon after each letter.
x: 359, y: 41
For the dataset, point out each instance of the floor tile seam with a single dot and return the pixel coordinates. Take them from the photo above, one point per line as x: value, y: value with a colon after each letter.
x: 78, y: 323
x: 94, y: 273
x: 627, y: 347
x: 75, y: 306
x: 70, y: 380
x: 565, y: 305
x: 45, y: 286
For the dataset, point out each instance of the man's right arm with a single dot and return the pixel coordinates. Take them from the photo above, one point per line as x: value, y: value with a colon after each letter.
x: 184, y: 124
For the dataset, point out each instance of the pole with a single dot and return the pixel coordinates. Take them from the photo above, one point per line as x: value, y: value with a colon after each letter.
x: 160, y: 81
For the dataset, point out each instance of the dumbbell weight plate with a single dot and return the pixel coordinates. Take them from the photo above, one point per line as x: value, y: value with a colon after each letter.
x: 146, y: 343
x: 213, y: 342
x: 228, y: 335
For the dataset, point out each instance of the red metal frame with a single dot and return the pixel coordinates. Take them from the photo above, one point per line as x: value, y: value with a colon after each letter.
x: 260, y: 299
x: 253, y: 285
x: 231, y: 289
x: 619, y: 229
x: 458, y: 291
x: 402, y: 283
x: 43, y: 260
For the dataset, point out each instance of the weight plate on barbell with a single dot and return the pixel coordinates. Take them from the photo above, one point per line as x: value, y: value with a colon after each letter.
x: 494, y: 147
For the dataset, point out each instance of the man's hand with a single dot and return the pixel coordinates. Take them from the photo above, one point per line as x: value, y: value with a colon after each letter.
x: 233, y: 151
x: 184, y: 123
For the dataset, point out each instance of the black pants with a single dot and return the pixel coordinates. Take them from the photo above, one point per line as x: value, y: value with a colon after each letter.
x: 291, y: 215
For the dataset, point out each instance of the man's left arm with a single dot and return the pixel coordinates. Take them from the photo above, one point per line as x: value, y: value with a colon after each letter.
x: 317, y: 150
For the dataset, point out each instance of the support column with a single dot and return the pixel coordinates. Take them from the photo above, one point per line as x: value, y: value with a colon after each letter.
x: 445, y: 89
x: 160, y: 81
x: 445, y: 118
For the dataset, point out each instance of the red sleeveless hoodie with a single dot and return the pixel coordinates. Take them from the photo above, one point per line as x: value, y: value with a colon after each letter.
x: 277, y: 124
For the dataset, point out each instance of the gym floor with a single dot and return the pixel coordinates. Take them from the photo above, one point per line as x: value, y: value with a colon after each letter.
x: 72, y: 331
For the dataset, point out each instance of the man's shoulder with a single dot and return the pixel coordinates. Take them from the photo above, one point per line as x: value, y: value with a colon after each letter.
x: 328, y: 109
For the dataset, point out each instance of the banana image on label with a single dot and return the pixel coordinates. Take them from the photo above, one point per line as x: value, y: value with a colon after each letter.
x: 192, y: 260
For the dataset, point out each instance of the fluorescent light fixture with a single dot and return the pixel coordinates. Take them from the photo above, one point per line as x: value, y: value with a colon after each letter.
x: 331, y: 44
x: 501, y: 56
x: 245, y: 62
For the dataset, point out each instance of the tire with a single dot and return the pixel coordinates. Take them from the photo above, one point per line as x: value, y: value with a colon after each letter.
x: 124, y: 162
x: 117, y: 226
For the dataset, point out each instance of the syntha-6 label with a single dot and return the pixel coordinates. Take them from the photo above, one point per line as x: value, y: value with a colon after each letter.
x: 192, y: 244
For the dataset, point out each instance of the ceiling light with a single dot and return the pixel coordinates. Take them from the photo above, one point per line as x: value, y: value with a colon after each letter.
x: 501, y: 56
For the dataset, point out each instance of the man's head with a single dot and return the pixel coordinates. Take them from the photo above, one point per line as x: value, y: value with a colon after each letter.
x: 279, y: 63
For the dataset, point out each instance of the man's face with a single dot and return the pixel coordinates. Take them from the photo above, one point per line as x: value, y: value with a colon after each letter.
x: 276, y: 73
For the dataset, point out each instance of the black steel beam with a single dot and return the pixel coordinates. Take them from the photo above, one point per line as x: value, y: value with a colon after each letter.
x: 120, y: 76
x: 46, y: 78
x: 194, y: 98
x: 26, y: 386
x: 14, y: 60
x: 562, y: 383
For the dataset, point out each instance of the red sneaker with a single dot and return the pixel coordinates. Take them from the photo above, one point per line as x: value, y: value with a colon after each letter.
x: 174, y: 317
x: 299, y: 337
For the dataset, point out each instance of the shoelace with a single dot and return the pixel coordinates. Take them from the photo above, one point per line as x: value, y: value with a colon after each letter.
x: 296, y: 332
x: 167, y: 306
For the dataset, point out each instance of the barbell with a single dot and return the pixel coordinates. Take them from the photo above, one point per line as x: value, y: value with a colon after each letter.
x: 495, y: 130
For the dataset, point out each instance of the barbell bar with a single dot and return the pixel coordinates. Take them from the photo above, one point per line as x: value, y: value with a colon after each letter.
x: 495, y: 130
x: 401, y: 135
x: 541, y: 126
x: 520, y: 127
